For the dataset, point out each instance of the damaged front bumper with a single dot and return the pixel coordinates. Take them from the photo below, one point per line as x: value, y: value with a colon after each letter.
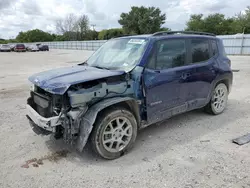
x: 48, y: 124
x: 45, y: 126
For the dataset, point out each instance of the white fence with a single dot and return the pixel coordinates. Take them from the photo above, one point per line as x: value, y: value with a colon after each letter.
x: 234, y: 44
x: 73, y: 45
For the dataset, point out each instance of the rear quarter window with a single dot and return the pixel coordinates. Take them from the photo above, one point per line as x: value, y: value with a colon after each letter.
x: 199, y: 50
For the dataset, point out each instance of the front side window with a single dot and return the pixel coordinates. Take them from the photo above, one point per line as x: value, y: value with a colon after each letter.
x: 199, y: 50
x: 121, y: 53
x: 170, y: 53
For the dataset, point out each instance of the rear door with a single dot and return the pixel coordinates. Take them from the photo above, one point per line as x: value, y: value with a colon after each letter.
x: 200, y: 72
x: 162, y: 79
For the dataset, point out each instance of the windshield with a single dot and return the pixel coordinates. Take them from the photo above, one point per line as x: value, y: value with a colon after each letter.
x: 5, y: 45
x: 122, y: 53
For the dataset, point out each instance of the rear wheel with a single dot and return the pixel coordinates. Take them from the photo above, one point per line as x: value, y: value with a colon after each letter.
x: 114, y: 133
x: 218, y: 101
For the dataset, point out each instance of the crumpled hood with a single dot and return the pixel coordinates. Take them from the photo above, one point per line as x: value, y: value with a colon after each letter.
x: 57, y: 81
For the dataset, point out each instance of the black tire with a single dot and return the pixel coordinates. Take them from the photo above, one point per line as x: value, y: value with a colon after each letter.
x: 209, y: 108
x: 101, y: 122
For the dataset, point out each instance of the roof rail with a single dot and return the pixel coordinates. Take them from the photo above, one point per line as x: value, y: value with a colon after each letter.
x: 125, y: 35
x: 181, y: 32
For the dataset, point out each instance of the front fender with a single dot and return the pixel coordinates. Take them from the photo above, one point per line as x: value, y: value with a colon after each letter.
x: 88, y: 120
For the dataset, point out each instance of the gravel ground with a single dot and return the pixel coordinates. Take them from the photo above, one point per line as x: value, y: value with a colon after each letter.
x: 190, y: 150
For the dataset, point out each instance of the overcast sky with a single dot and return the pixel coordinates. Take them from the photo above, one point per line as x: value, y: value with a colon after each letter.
x: 22, y: 15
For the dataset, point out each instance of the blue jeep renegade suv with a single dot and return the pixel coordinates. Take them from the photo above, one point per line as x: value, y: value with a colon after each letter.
x: 127, y: 84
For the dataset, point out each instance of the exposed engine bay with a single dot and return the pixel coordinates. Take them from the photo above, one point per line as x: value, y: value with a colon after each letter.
x: 69, y: 108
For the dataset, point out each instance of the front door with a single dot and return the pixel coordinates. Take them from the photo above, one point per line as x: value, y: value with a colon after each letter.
x: 163, y: 80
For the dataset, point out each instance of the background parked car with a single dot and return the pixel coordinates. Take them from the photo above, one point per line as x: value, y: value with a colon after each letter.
x: 20, y: 48
x: 12, y: 47
x: 43, y: 47
x: 5, y: 48
x: 33, y: 48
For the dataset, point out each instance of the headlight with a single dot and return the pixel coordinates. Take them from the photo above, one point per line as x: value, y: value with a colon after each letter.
x: 32, y: 87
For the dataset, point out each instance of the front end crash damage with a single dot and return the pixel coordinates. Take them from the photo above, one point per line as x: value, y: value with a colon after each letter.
x: 71, y: 116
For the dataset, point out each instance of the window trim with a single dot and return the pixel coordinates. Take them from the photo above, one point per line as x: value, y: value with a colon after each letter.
x: 211, y: 47
x: 153, y: 52
x: 151, y: 55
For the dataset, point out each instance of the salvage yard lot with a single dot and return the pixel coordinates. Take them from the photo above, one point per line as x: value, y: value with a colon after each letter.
x: 190, y: 150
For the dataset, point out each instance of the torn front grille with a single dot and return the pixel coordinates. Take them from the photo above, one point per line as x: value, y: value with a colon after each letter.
x: 45, y: 103
x: 42, y: 104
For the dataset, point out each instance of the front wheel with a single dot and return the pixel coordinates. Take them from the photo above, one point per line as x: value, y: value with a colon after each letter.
x: 218, y: 101
x: 114, y: 133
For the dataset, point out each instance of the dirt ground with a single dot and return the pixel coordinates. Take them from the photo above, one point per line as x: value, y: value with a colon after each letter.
x: 192, y: 150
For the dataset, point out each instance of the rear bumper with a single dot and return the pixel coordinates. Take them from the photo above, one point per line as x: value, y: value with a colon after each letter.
x: 48, y: 124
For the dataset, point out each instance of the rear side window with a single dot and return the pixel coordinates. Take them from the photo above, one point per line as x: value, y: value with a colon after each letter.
x: 170, y: 54
x: 20, y: 46
x: 214, y: 48
x: 199, y: 50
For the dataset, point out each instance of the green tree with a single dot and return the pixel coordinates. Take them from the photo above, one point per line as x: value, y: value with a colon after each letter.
x: 3, y: 41
x: 142, y: 20
x: 59, y: 38
x: 213, y: 23
x: 102, y: 34
x: 195, y: 23
x: 91, y: 35
x: 165, y: 29
x: 22, y: 37
x: 242, y: 21
x: 217, y: 24
x: 35, y: 35
x: 110, y: 33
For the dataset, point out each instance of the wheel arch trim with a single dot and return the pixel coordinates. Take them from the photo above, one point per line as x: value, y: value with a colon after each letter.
x: 89, y: 118
x: 221, y: 79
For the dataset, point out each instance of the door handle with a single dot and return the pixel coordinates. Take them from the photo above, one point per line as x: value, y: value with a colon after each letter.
x: 184, y: 76
x: 157, y: 71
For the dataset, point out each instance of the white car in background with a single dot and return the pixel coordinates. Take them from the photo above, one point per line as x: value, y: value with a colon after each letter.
x: 33, y: 48
x: 5, y: 48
